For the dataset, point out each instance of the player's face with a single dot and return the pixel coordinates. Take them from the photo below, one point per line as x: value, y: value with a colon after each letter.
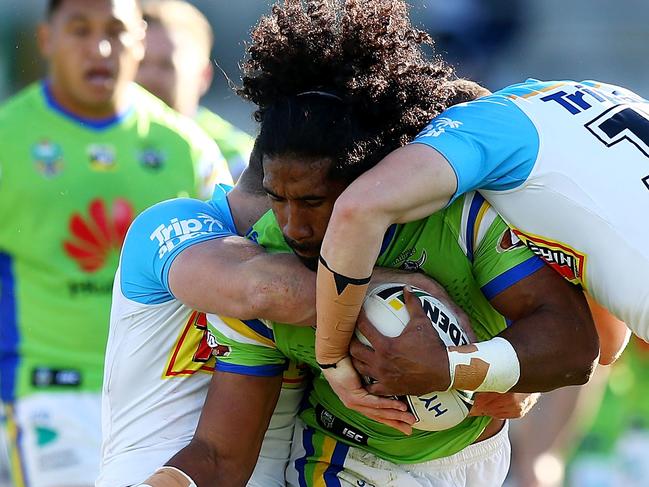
x: 302, y: 197
x: 93, y: 48
x: 174, y: 68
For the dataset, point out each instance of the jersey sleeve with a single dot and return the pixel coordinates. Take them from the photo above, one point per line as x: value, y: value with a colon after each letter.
x: 490, y: 143
x: 246, y: 347
x: 499, y: 258
x: 157, y: 236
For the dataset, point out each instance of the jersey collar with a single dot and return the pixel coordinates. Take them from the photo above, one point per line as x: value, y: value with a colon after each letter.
x: 96, y: 124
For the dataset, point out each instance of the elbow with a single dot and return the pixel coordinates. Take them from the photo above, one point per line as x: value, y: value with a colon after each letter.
x: 272, y: 297
x: 584, y: 363
x: 349, y: 208
x: 258, y: 301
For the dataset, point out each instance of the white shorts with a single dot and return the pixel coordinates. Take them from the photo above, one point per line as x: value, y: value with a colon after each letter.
x: 483, y: 464
x: 138, y: 462
x: 276, y: 448
x: 54, y: 439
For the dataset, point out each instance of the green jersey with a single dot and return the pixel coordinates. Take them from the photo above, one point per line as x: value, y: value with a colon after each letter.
x: 235, y: 144
x: 467, y: 248
x: 69, y: 189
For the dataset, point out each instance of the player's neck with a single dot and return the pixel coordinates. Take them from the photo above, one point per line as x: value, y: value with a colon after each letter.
x: 63, y: 100
x: 246, y: 209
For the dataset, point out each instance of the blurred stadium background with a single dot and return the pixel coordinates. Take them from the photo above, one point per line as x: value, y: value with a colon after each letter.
x: 495, y: 42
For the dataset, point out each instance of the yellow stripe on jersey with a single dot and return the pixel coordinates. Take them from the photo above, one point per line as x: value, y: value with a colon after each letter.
x: 16, y: 468
x: 244, y: 330
x: 324, y: 461
x: 535, y: 92
x: 478, y: 220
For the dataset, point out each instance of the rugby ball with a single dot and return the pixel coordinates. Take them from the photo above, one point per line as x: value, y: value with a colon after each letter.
x: 386, y: 310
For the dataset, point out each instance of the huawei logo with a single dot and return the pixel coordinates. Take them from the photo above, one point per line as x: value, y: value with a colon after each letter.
x: 102, y: 232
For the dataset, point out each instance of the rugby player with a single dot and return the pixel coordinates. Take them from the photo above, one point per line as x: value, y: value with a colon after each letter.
x: 308, y: 138
x: 83, y: 151
x: 564, y: 162
x: 182, y: 265
x: 177, y: 69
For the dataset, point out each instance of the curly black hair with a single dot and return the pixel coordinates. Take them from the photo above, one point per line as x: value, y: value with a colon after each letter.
x: 365, y: 53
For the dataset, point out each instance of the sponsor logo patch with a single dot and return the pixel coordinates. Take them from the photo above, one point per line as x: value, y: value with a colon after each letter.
x: 562, y: 258
x: 177, y: 231
x: 415, y: 265
x: 152, y: 159
x: 508, y: 241
x: 48, y: 158
x: 101, y: 157
x: 439, y: 126
x: 94, y: 237
x: 195, y: 349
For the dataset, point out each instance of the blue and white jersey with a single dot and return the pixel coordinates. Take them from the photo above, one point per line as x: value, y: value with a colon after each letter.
x: 149, y: 407
x: 567, y: 165
x: 161, y: 355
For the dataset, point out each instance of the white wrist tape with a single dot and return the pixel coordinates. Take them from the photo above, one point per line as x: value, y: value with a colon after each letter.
x: 168, y: 477
x: 490, y: 366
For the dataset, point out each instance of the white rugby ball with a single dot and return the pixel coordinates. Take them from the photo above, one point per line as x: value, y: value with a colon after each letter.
x: 386, y: 310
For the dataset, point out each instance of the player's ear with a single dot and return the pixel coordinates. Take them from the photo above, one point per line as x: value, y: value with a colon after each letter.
x: 207, y: 75
x: 44, y: 39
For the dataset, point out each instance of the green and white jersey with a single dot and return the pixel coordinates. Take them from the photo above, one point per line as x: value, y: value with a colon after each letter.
x: 234, y: 144
x: 69, y: 189
x: 467, y: 248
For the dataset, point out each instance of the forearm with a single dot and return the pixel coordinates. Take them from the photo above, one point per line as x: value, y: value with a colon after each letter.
x: 235, y: 277
x: 281, y: 289
x: 207, y: 467
x: 360, y: 218
x: 562, y: 352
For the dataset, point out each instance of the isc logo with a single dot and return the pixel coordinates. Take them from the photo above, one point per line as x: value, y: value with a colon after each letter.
x: 178, y: 231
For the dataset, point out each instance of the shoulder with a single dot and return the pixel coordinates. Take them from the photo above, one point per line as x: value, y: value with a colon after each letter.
x: 20, y: 105
x: 178, y: 220
x: 167, y: 122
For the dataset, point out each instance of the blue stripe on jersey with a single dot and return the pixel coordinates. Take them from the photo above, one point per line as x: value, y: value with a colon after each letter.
x: 476, y: 204
x: 9, y: 334
x: 309, y: 450
x: 512, y: 276
x: 387, y: 238
x: 270, y: 370
x: 337, y: 463
x: 85, y: 122
x: 259, y: 327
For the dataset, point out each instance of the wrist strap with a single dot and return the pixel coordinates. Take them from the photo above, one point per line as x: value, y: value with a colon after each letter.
x: 490, y: 366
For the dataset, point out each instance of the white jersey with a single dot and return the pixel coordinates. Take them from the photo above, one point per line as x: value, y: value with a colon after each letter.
x: 567, y: 165
x: 160, y: 355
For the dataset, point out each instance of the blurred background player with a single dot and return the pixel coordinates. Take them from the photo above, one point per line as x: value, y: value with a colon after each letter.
x: 83, y: 152
x: 592, y: 436
x: 177, y: 69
